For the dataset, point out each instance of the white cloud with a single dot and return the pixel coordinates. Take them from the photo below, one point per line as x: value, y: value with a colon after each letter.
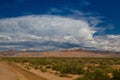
x: 108, y: 42
x: 42, y: 28
x: 33, y: 27
x: 4, y: 37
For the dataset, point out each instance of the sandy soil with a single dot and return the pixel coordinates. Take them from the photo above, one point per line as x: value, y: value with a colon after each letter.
x: 12, y: 72
x: 6, y: 73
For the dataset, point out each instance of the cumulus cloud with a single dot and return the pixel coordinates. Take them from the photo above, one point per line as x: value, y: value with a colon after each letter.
x: 41, y: 28
x: 48, y: 26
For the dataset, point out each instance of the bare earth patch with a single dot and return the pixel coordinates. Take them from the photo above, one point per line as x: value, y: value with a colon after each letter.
x: 7, y: 73
x: 116, y: 66
x: 12, y: 72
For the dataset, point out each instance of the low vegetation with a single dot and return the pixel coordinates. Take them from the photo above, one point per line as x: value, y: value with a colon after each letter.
x: 86, y: 68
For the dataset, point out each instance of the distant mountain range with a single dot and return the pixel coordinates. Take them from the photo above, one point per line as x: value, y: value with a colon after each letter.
x: 60, y: 53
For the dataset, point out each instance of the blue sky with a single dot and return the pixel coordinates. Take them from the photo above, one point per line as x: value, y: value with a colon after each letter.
x: 108, y: 9
x: 99, y: 17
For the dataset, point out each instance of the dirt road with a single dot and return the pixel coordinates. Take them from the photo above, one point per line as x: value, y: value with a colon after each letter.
x: 12, y: 72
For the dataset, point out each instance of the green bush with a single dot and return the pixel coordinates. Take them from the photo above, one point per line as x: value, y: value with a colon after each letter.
x: 100, y: 75
x: 116, y: 75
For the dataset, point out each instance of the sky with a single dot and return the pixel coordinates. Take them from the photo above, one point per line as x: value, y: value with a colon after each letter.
x: 59, y: 24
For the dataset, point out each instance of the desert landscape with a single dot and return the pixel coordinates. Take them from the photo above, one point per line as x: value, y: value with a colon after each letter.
x: 59, y: 39
x: 73, y: 64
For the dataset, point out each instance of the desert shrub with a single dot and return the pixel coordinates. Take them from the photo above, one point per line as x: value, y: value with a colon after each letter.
x: 64, y: 75
x: 57, y: 67
x: 105, y: 68
x: 99, y: 74
x: 83, y: 78
x: 96, y: 75
x: 42, y: 69
x: 48, y: 67
x: 116, y: 75
x: 27, y: 67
